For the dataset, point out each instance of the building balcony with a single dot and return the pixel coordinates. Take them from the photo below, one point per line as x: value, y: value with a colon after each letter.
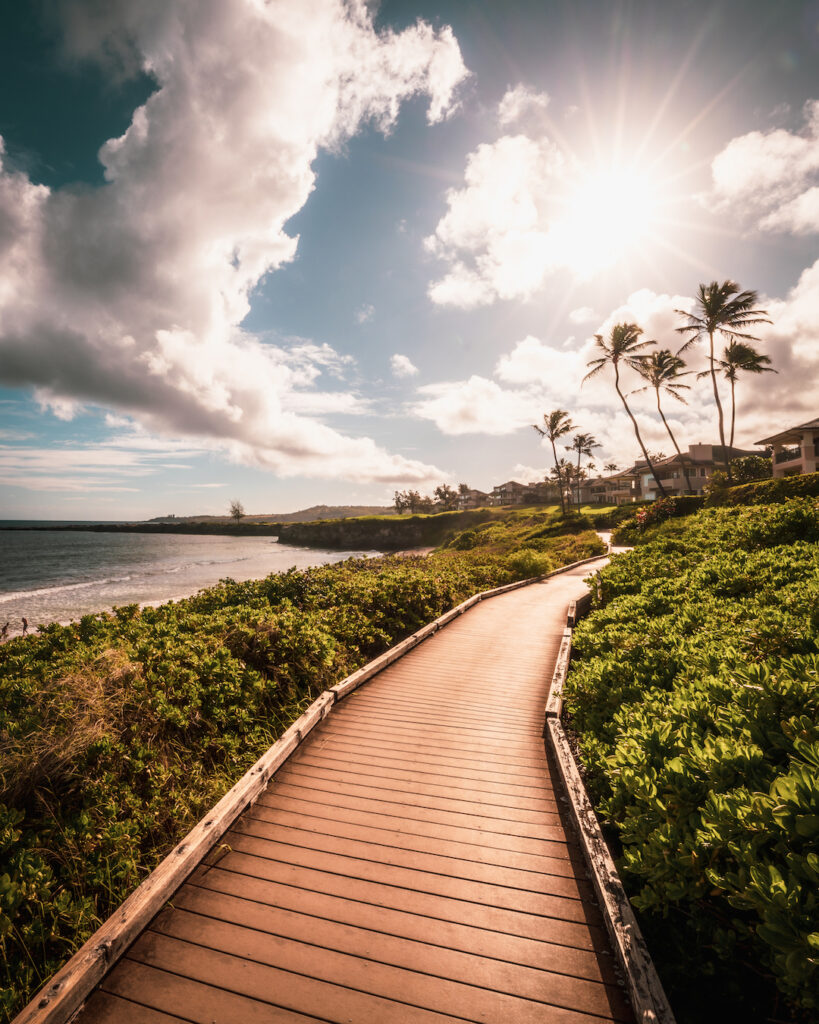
x: 788, y: 455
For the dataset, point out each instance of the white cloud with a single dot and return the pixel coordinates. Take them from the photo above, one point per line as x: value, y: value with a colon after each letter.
x: 771, y: 177
x: 518, y: 102
x: 475, y: 406
x: 402, y: 366
x: 365, y: 314
x: 539, y: 365
x: 130, y: 296
x: 583, y: 315
x: 528, y: 210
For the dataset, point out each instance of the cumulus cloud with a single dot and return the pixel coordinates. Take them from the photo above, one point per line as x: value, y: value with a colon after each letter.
x: 130, y: 296
x: 771, y: 178
x: 518, y: 102
x: 583, y: 315
x: 527, y: 210
x: 402, y: 366
x: 475, y: 406
x: 495, y: 232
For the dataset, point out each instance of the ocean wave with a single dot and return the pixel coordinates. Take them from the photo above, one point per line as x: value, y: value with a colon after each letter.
x: 20, y: 595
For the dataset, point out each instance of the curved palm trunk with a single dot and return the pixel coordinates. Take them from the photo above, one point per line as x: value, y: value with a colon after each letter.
x: 660, y: 487
x: 559, y: 479
x: 720, y: 416
x: 674, y: 442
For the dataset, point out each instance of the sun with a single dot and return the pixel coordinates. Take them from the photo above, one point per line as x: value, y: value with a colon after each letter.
x: 606, y: 214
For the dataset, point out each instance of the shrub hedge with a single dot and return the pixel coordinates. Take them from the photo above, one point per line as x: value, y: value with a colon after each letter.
x: 695, y: 692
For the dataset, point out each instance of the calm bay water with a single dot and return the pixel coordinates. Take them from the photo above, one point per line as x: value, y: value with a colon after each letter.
x: 55, y: 576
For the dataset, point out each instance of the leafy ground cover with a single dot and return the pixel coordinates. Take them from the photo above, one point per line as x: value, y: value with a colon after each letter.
x: 695, y: 694
x: 119, y: 730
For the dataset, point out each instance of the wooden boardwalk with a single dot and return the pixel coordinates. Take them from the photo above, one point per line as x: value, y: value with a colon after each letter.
x: 410, y: 862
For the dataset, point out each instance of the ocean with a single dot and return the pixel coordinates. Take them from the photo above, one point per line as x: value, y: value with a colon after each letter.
x: 55, y: 576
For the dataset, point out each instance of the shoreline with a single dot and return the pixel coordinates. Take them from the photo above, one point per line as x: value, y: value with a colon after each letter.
x: 159, y: 601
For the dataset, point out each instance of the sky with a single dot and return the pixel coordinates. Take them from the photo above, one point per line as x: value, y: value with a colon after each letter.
x: 294, y: 252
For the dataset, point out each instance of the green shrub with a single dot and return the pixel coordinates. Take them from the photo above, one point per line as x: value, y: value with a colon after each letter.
x: 764, y: 492
x: 695, y: 690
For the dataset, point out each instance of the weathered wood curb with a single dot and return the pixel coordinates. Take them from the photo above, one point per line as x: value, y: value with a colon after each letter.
x: 645, y: 990
x: 62, y: 996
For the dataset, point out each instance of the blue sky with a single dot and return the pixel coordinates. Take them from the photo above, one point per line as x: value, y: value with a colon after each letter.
x: 327, y: 250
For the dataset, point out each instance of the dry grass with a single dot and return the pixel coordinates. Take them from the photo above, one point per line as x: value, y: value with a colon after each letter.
x: 78, y: 710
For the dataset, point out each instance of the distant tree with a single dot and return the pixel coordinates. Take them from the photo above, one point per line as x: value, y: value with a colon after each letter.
x: 663, y: 372
x: 623, y: 348
x: 611, y: 467
x: 739, y: 357
x: 721, y: 309
x: 412, y: 501
x: 464, y: 489
x: 560, y: 474
x: 556, y: 424
x: 751, y: 467
x: 583, y: 444
x: 237, y: 511
x: 446, y: 497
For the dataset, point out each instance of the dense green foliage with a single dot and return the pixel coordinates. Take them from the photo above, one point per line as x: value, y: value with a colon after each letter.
x: 695, y: 694
x: 118, y: 731
x: 806, y: 485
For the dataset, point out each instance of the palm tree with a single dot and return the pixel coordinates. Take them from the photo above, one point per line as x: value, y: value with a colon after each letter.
x: 562, y: 472
x: 624, y: 346
x: 611, y: 467
x: 557, y: 424
x: 663, y: 370
x: 737, y: 357
x: 724, y: 309
x: 583, y: 444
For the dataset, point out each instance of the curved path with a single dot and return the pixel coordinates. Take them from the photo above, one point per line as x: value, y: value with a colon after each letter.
x: 409, y: 863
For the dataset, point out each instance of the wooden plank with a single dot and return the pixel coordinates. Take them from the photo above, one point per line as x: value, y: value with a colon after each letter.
x: 408, y: 785
x: 377, y: 830
x: 584, y: 932
x: 546, y: 827
x: 553, y: 899
x: 462, y: 780
x: 468, y: 753
x: 280, y: 940
x: 409, y: 923
x: 267, y: 960
x: 276, y: 987
x: 557, y: 875
x: 104, y: 1006
x: 648, y: 997
x: 431, y: 756
x: 500, y: 812
x: 556, y: 837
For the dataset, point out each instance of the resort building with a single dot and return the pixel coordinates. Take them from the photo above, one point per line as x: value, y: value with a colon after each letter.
x: 796, y: 450
x: 619, y: 489
x: 472, y: 499
x: 510, y: 493
x: 701, y: 460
